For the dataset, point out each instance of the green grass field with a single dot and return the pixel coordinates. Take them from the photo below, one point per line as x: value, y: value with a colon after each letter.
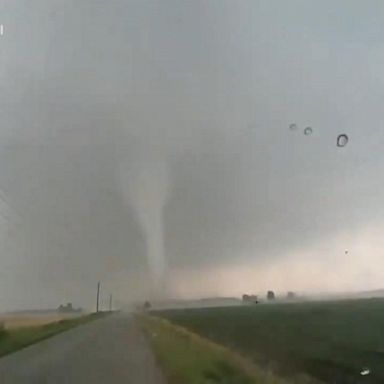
x: 331, y: 341
x: 187, y: 358
x: 14, y: 339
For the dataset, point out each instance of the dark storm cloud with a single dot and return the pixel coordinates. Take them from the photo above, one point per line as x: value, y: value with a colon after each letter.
x: 207, y: 88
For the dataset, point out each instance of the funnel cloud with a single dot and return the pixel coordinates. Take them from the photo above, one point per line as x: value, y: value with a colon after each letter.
x: 146, y: 187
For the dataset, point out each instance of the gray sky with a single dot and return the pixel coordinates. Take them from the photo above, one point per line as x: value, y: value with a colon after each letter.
x: 197, y: 96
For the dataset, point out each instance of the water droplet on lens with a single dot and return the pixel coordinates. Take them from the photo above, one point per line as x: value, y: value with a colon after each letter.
x: 342, y: 140
x: 293, y: 127
x: 308, y: 131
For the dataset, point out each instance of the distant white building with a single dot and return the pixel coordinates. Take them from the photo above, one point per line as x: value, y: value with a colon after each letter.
x: 250, y: 299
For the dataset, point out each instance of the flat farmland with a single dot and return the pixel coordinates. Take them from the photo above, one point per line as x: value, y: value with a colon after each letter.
x: 332, y: 341
x: 15, y: 320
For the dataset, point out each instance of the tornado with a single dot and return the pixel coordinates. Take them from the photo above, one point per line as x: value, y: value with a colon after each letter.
x: 146, y: 188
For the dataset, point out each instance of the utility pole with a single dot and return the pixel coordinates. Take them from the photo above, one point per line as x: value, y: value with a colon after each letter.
x: 110, y: 302
x: 97, y: 296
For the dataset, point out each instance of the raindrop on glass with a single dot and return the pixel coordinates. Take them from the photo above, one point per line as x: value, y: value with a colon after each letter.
x: 293, y: 127
x: 308, y: 131
x: 342, y: 140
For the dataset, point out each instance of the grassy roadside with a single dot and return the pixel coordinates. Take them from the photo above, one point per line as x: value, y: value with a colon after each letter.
x: 187, y: 358
x: 15, y: 339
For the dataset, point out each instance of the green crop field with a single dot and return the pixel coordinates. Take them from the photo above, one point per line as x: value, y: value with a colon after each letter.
x: 331, y: 341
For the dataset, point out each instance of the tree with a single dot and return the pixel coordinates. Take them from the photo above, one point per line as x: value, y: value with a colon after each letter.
x: 67, y: 308
x: 245, y: 297
x: 291, y: 295
x: 270, y: 295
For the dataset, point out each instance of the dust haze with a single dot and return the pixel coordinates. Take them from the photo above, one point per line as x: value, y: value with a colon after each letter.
x: 147, y: 145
